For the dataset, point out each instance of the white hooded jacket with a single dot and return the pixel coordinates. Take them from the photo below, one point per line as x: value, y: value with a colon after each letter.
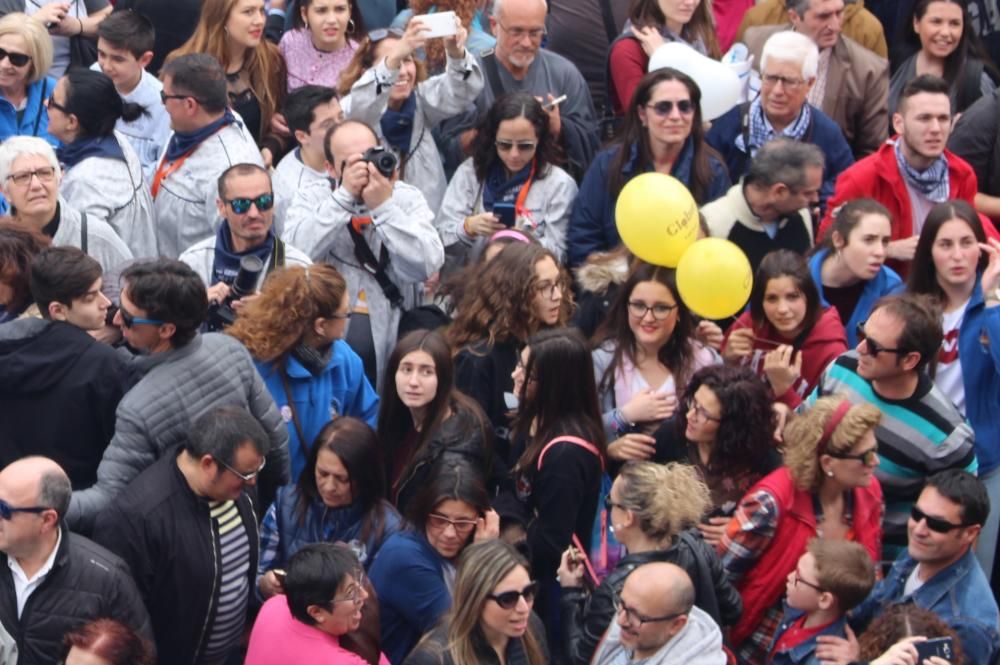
x: 698, y: 643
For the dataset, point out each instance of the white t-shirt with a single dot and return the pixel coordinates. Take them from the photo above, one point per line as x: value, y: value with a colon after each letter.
x: 949, y: 368
x: 912, y: 583
x: 24, y: 587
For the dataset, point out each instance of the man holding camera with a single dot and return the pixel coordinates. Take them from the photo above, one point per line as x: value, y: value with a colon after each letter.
x: 246, y: 205
x: 377, y: 232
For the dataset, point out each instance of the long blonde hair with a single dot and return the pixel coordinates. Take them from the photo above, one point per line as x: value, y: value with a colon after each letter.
x: 265, y: 65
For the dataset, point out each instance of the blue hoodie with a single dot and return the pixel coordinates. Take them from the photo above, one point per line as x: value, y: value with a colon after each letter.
x: 34, y: 120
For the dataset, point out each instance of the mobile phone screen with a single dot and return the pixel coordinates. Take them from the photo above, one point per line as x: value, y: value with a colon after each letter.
x: 505, y: 212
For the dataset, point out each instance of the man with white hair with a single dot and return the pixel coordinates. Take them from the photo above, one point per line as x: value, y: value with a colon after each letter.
x: 788, y: 71
x: 852, y: 83
x: 519, y: 64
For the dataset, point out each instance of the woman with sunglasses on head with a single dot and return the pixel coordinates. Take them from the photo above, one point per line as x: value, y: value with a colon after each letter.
x: 324, y: 601
x: 511, y: 181
x: 663, y: 132
x: 492, y: 623
x: 322, y: 41
x: 521, y: 291
x: 26, y: 49
x: 559, y: 445
x: 338, y: 497
x: 294, y: 329
x: 848, y: 266
x: 414, y: 573
x: 645, y: 353
x: 787, y: 336
x: 826, y: 489
x: 940, y: 39
x: 652, y: 508
x: 102, y: 175
x: 424, y: 420
x: 961, y: 270
x: 724, y: 428
x: 390, y: 91
x: 232, y: 31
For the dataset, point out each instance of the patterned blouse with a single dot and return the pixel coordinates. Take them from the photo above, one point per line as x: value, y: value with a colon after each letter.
x: 307, y: 65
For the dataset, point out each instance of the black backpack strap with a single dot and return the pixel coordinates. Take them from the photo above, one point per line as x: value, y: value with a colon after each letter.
x: 277, y: 255
x: 492, y: 70
x: 363, y: 253
x: 83, y: 232
x: 970, y: 84
x: 608, y: 17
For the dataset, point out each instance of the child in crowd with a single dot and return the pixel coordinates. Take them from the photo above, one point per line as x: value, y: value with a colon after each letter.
x: 124, y: 48
x: 830, y: 578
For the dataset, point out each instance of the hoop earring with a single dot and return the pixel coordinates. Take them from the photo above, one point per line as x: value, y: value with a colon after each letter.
x: 350, y: 26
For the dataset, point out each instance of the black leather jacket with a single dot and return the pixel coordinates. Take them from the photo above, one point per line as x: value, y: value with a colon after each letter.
x: 585, y: 618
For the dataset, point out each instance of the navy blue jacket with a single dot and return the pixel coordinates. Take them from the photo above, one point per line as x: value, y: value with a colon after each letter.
x: 592, y: 223
x: 823, y: 133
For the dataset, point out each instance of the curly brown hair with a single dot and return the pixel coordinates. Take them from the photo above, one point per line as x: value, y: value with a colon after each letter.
x: 802, y: 437
x: 499, y: 305
x: 19, y: 244
x: 272, y: 324
x: 906, y: 620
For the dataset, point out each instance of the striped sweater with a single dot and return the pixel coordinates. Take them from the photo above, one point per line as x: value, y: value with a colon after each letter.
x: 918, y: 436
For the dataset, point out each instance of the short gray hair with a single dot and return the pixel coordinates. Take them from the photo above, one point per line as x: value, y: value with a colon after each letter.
x: 495, y: 12
x: 16, y: 146
x: 55, y: 491
x: 785, y: 161
x: 800, y: 7
x: 789, y: 46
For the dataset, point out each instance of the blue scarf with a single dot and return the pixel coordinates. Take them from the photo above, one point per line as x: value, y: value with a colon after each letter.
x: 397, y: 126
x: 761, y: 130
x: 227, y: 261
x: 93, y: 146
x: 184, y: 142
x: 931, y: 182
x: 498, y: 188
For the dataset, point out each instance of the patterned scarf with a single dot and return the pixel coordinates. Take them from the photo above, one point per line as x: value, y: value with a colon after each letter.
x: 761, y: 130
x: 932, y: 182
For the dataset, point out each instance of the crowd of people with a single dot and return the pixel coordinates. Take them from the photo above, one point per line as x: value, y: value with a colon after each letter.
x: 319, y: 343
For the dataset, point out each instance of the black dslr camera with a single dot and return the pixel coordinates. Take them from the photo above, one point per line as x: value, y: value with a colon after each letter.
x: 221, y: 314
x: 385, y: 162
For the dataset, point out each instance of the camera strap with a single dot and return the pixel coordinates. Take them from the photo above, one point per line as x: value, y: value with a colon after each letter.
x: 377, y: 268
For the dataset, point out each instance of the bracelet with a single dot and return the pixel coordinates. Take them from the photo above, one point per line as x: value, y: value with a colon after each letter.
x: 465, y: 227
x: 81, y: 27
x: 621, y: 425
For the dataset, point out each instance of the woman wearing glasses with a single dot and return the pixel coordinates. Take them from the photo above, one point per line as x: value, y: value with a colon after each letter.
x: 424, y: 421
x: 663, y: 131
x: 103, y: 176
x: 389, y: 91
x: 494, y: 623
x: 414, y: 573
x: 652, y: 507
x: 30, y: 178
x: 511, y: 181
x: 338, y: 497
x: 787, y: 336
x: 323, y: 602
x: 294, y: 329
x: 826, y: 489
x: 961, y: 270
x: 724, y: 429
x: 26, y: 49
x: 646, y: 352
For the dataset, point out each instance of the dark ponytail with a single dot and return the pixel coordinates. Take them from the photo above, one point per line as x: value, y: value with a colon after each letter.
x: 91, y: 96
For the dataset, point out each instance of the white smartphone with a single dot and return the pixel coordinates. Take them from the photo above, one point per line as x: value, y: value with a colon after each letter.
x: 440, y: 24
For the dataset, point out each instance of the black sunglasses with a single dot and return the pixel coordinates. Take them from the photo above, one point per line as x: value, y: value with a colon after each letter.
x: 935, y: 524
x: 868, y: 458
x: 264, y: 202
x: 508, y: 599
x: 874, y: 348
x: 16, y: 59
x: 7, y: 511
x: 666, y: 107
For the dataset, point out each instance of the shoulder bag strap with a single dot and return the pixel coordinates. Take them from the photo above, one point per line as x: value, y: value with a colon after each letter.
x: 83, y: 232
x: 608, y: 17
x: 303, y: 446
x: 576, y: 441
x: 493, y: 74
x: 377, y: 268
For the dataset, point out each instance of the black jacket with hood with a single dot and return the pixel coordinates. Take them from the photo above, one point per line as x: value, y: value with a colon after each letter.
x: 59, y: 389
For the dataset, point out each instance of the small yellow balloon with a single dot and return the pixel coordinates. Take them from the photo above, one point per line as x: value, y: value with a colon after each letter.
x: 714, y: 278
x: 657, y: 218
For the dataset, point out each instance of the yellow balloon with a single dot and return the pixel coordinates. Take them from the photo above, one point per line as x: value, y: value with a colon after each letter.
x: 657, y: 218
x: 714, y: 278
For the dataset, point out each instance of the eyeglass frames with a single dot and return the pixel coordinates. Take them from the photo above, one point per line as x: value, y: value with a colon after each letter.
x: 935, y: 524
x: 7, y: 511
x: 241, y: 206
x: 634, y: 618
x: 666, y: 107
x: 508, y: 599
x: 128, y: 320
x: 245, y: 477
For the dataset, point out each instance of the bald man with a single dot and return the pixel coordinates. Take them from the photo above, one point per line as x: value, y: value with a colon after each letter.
x: 658, y: 624
x: 53, y: 581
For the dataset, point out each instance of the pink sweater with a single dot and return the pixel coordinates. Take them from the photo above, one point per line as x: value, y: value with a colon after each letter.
x: 278, y: 638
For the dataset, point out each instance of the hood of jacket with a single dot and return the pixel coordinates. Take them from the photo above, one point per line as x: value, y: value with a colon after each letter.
x: 601, y: 270
x: 699, y: 642
x: 36, y: 354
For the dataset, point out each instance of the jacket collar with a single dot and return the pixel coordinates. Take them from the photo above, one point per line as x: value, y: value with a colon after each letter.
x: 801, y: 652
x: 147, y: 363
x: 936, y: 588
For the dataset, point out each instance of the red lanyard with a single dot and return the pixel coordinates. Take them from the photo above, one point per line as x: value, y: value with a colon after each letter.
x: 522, y: 196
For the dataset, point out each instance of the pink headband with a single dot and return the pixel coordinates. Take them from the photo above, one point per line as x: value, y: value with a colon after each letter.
x: 513, y: 234
x: 834, y: 421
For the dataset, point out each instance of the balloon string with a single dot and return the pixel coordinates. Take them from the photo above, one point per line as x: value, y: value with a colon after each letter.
x: 762, y: 340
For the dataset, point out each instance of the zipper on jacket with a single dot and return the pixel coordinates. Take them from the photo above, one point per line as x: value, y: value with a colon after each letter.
x: 211, y: 601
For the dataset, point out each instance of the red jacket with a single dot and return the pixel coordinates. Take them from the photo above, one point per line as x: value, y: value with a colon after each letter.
x: 825, y: 341
x: 877, y: 176
x: 764, y: 584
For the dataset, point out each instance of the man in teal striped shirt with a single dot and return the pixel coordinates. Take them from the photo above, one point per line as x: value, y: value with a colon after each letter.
x: 921, y: 431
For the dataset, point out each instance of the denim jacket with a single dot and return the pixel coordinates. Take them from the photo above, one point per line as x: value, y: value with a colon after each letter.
x: 803, y: 653
x: 959, y: 594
